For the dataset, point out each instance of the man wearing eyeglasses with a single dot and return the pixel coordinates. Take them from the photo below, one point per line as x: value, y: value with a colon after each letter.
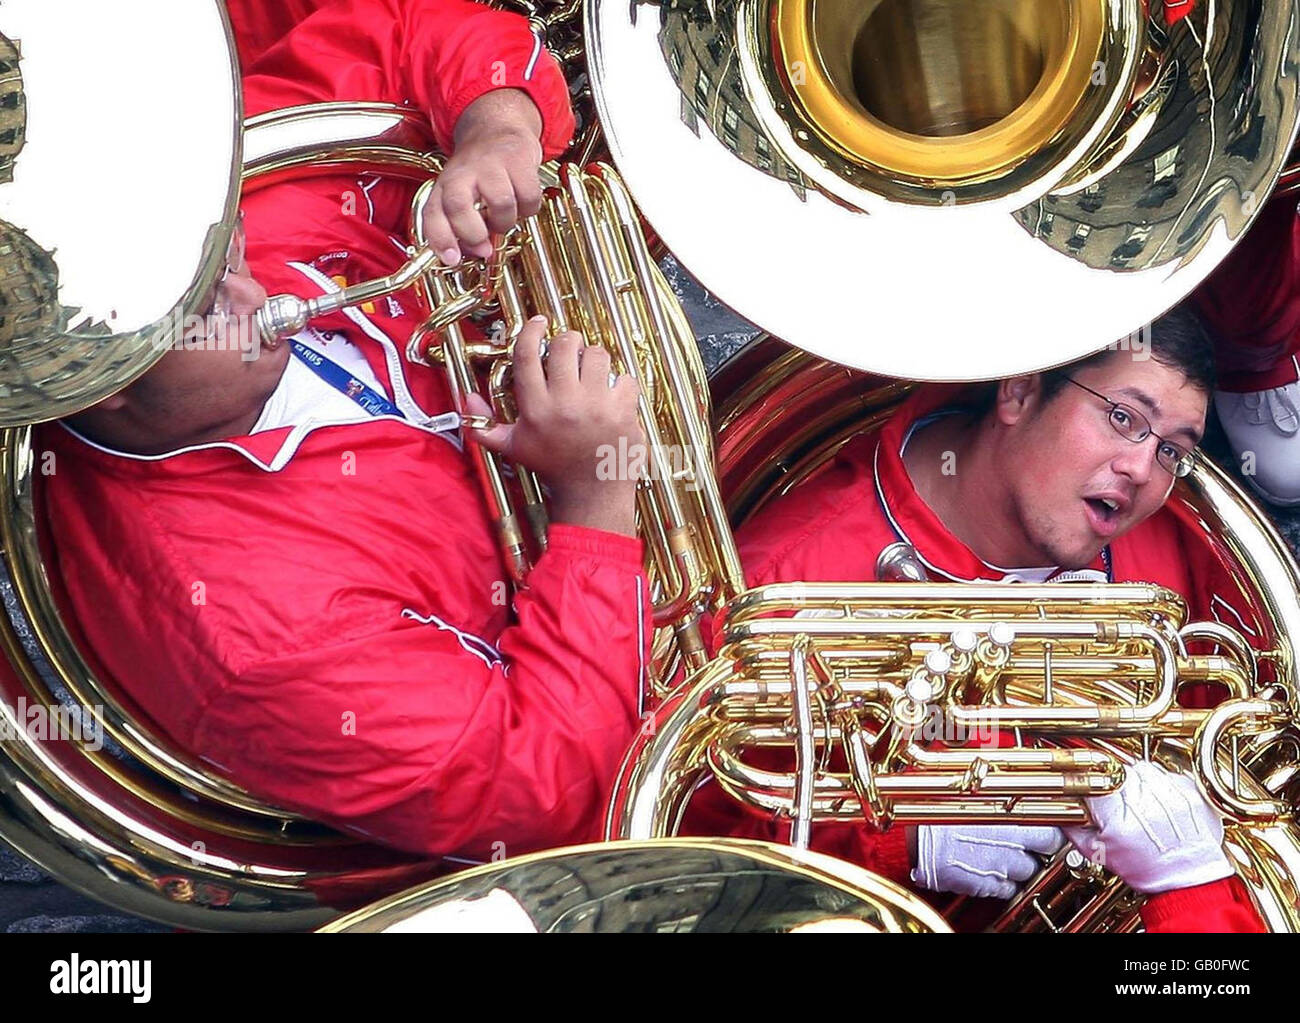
x: 1057, y: 476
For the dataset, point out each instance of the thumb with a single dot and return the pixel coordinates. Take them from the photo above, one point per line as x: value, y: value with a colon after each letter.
x: 1089, y: 842
x: 495, y: 439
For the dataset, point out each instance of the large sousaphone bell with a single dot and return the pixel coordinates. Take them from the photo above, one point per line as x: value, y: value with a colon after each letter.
x: 947, y: 189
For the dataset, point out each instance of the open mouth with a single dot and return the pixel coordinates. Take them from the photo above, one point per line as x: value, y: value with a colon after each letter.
x: 1104, y: 514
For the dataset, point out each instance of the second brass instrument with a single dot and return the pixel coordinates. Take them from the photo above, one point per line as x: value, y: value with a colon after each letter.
x: 583, y: 263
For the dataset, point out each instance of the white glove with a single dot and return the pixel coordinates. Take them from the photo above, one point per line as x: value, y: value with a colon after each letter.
x: 1157, y: 832
x: 984, y: 860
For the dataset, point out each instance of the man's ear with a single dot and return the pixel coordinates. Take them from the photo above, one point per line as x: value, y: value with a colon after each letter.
x: 1018, y: 397
x: 90, y: 421
x: 113, y: 403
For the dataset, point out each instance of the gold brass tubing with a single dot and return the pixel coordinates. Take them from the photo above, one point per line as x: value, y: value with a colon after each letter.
x: 820, y: 407
x: 1266, y: 563
x: 1085, y: 719
x: 766, y: 696
x: 651, y: 524
x: 691, y: 425
x: 668, y: 551
x: 862, y: 772
x: 1058, y: 760
x: 1177, y: 721
x: 984, y: 794
x: 543, y: 284
x: 673, y: 603
x: 1113, y: 891
x: 660, y: 771
x: 567, y: 261
x: 1240, y: 679
x: 1027, y: 630
x: 938, y: 799
x: 1215, y: 632
x: 455, y: 308
x: 1053, y: 893
x: 285, y: 315
x: 857, y: 672
x: 1195, y: 668
x: 1038, y: 812
x: 879, y: 651
x: 313, y: 140
x: 1026, y: 912
x: 511, y: 303
x: 359, y: 294
x: 529, y: 484
x: 1118, y: 601
x: 1205, y: 763
x: 534, y: 506
x: 744, y: 691
x: 690, y: 643
x: 498, y: 392
x: 475, y: 351
x: 803, y: 749
x: 501, y: 509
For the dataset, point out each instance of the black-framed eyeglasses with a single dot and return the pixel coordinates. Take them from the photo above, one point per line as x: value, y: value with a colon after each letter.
x: 1132, y: 425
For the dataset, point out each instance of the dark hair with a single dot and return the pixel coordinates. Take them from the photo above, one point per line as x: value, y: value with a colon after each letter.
x: 1178, y: 340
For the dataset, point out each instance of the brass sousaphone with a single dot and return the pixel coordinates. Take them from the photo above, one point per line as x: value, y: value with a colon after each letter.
x: 947, y: 190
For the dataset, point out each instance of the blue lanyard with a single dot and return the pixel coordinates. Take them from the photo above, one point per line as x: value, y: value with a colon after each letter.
x: 344, y: 382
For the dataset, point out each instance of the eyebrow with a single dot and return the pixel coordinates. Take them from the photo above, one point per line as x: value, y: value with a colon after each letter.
x: 1153, y: 407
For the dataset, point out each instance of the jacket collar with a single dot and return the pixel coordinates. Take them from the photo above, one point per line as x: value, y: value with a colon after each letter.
x: 272, y: 450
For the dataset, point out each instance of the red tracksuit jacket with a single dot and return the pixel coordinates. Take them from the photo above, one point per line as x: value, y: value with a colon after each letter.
x: 260, y: 25
x: 833, y: 528
x: 321, y: 615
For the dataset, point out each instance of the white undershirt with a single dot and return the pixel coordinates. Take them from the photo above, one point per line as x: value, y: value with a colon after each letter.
x: 302, y: 396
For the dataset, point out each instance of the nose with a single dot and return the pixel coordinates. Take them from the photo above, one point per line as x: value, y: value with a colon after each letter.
x: 1138, y: 461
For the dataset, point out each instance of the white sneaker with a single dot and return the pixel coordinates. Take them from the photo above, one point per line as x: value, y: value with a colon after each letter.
x: 1265, y: 424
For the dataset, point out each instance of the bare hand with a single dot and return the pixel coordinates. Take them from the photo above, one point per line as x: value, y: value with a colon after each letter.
x: 570, y: 421
x: 495, y: 162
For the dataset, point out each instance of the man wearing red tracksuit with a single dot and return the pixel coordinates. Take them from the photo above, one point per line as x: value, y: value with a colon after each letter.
x: 1041, y: 482
x: 285, y: 561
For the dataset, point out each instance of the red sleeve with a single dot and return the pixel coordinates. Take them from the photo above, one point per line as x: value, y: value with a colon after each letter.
x: 425, y: 738
x: 439, y: 55
x: 260, y: 25
x: 1221, y: 907
x: 882, y: 852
